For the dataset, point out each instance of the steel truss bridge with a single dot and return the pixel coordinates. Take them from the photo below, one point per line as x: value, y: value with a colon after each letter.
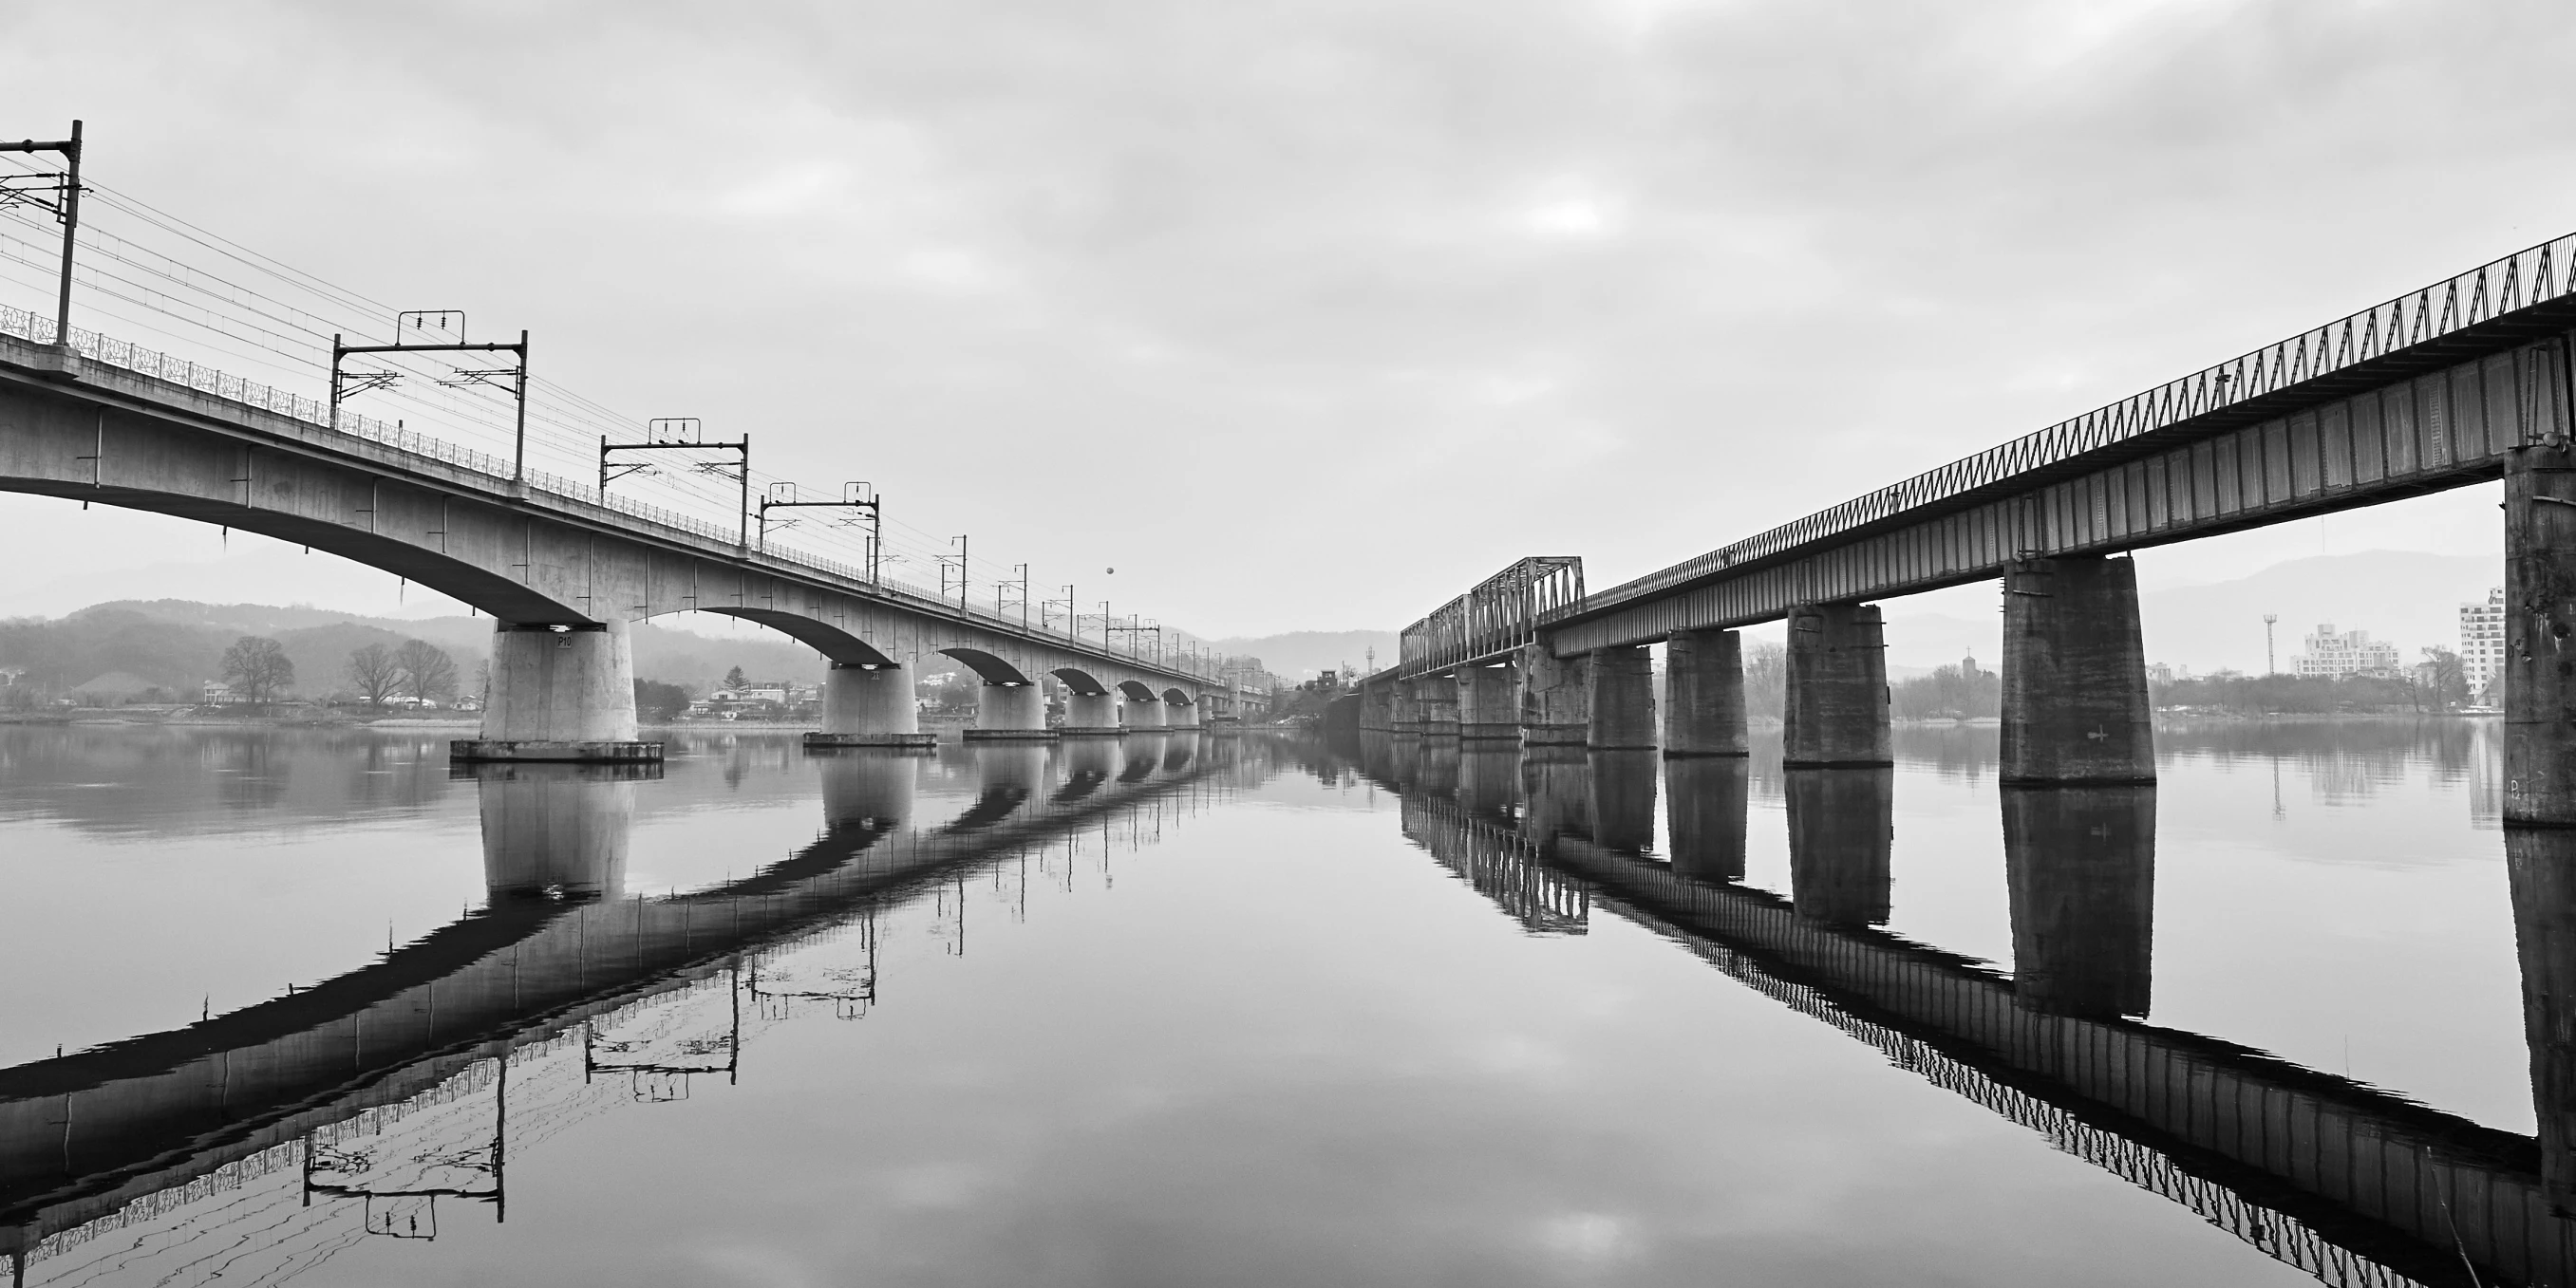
x: 2422, y: 393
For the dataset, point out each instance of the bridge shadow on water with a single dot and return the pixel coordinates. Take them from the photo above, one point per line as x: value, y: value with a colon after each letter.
x: 2342, y: 1180
x: 387, y: 1087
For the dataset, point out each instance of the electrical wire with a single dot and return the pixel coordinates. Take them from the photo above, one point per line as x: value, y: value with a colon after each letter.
x: 158, y: 274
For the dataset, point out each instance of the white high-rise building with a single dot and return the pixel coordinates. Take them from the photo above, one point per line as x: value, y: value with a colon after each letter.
x: 2333, y: 654
x: 2482, y: 643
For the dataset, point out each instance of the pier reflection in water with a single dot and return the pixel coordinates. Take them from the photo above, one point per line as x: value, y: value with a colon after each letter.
x: 389, y: 1104
x: 2333, y: 1177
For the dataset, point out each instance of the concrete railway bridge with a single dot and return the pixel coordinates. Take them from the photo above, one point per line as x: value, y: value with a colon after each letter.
x: 562, y: 573
x: 2464, y: 381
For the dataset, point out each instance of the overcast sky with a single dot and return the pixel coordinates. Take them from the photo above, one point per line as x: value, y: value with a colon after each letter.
x: 1309, y: 315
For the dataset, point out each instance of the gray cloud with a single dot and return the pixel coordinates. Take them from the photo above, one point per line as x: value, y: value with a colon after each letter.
x: 1307, y: 315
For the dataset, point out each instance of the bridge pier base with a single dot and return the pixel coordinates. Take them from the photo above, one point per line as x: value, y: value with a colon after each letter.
x: 870, y: 706
x: 1555, y: 698
x: 1180, y: 715
x: 1837, y: 708
x: 1704, y: 681
x: 2081, y: 864
x: 1488, y: 708
x: 1009, y: 713
x: 559, y: 695
x: 2075, y: 674
x: 1377, y: 708
x: 1091, y: 714
x: 2540, y: 637
x: 1436, y: 698
x: 1403, y: 714
x: 1622, y: 700
x: 1142, y: 715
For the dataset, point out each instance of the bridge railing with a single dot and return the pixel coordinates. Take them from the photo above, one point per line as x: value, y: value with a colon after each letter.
x: 1500, y: 614
x: 127, y: 356
x: 2528, y: 277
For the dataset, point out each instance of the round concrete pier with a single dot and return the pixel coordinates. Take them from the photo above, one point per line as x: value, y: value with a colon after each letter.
x: 559, y: 693
x: 870, y: 705
x: 1090, y: 714
x: 1009, y: 712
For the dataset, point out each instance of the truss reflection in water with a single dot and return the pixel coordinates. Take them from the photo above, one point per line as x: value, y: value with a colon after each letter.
x: 2343, y: 1181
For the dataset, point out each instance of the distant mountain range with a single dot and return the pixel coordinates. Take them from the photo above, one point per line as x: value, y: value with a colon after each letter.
x: 179, y: 645
x: 2410, y: 599
x: 1300, y: 655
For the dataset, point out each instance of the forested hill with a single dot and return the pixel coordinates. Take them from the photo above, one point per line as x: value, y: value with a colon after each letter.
x: 179, y: 645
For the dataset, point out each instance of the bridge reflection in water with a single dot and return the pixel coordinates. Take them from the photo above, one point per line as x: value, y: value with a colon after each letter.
x: 273, y: 1136
x: 2346, y: 1182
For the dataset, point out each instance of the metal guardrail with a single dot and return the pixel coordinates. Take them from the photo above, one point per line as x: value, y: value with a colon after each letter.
x: 2528, y: 277
x: 1500, y: 614
x: 134, y: 358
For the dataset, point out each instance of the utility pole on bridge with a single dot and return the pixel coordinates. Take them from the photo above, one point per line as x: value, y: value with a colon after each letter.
x: 958, y: 562
x: 854, y: 496
x: 347, y: 383
x: 65, y: 207
x: 682, y: 434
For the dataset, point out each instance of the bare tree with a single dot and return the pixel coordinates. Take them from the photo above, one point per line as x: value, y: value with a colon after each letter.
x: 376, y: 674
x: 428, y: 673
x: 257, y: 668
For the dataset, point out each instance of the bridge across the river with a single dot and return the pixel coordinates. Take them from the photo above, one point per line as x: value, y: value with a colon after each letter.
x: 561, y: 568
x: 2464, y: 381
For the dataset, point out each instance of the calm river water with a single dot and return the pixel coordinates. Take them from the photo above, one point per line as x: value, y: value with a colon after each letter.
x: 1196, y: 1009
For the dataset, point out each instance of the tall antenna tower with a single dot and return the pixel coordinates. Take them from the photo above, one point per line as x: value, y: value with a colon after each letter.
x: 2269, y: 666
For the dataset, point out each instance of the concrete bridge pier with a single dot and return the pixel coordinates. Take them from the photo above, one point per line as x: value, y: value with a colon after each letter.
x: 2075, y: 674
x: 1704, y: 682
x: 1377, y: 708
x: 1842, y: 828
x: 1436, y: 698
x: 1143, y: 715
x: 2540, y: 637
x: 1009, y: 711
x: 559, y: 693
x: 2081, y: 866
x: 1623, y: 800
x: 557, y: 829
x: 1403, y: 715
x: 1488, y: 704
x: 1180, y: 715
x: 1710, y: 805
x: 1837, y: 708
x: 870, y: 705
x: 1555, y: 698
x: 1090, y: 713
x: 1622, y: 700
